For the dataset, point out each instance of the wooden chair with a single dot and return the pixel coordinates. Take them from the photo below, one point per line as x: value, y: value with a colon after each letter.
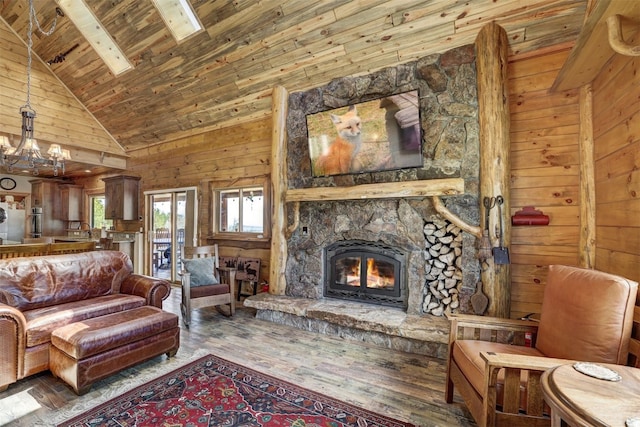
x: 161, y: 241
x: 106, y: 243
x: 495, y: 364
x: 221, y: 290
x: 24, y: 250
x: 71, y: 247
x: 634, y: 343
x: 41, y: 249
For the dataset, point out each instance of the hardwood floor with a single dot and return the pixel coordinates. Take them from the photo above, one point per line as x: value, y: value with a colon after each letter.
x: 405, y: 386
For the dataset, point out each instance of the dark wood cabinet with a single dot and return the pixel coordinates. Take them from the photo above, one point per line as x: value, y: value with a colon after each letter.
x: 45, y: 195
x: 70, y: 206
x: 121, y: 197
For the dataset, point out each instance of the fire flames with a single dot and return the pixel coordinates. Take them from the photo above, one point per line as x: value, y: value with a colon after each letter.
x: 375, y: 278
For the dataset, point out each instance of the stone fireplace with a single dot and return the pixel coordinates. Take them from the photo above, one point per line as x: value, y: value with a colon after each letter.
x: 440, y: 267
x: 430, y: 249
x: 435, y: 263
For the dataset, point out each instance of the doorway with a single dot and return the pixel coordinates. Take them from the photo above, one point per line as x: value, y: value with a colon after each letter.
x: 171, y: 221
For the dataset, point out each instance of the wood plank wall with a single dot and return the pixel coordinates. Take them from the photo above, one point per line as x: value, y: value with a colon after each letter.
x: 616, y: 111
x: 225, y: 154
x: 544, y: 174
x: 60, y: 118
x: 545, y: 171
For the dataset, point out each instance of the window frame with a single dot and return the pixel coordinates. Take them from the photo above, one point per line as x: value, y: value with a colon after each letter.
x: 90, y: 195
x: 216, y: 187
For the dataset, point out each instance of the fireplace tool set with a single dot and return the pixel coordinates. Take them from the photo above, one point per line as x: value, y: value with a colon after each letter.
x: 499, y: 253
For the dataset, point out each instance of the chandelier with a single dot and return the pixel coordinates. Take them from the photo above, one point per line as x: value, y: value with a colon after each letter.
x: 27, y: 154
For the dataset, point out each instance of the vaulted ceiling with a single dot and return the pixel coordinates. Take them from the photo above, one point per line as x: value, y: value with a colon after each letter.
x: 224, y: 74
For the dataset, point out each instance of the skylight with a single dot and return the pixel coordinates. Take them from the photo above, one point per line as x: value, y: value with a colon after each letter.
x: 95, y: 33
x: 179, y: 17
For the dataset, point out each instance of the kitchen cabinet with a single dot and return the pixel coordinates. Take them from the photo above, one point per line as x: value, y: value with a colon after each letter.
x: 121, y: 197
x: 45, y: 194
x: 70, y: 206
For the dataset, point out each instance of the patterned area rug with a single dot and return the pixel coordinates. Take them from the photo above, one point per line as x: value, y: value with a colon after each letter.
x: 215, y: 392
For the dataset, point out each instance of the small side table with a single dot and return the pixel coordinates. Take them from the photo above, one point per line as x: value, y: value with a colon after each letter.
x: 577, y: 399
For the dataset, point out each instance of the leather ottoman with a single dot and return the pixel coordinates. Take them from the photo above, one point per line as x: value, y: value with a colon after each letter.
x: 84, y: 352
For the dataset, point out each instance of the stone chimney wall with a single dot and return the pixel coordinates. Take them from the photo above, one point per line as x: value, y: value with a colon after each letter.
x: 449, y: 121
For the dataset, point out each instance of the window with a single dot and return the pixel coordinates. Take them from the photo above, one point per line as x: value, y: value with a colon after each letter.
x: 97, y: 219
x: 242, y: 210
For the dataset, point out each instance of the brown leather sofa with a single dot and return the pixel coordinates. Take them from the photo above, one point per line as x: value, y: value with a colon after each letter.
x: 40, y: 294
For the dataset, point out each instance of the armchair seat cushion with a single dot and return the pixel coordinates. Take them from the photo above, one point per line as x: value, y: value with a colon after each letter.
x: 466, y: 354
x: 209, y: 290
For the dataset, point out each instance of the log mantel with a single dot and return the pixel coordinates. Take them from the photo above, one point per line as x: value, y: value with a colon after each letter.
x: 388, y: 190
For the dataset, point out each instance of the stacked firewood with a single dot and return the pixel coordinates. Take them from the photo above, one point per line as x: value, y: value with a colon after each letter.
x: 442, y: 267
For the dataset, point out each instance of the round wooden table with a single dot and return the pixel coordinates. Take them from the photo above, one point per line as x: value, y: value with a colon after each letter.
x: 582, y: 400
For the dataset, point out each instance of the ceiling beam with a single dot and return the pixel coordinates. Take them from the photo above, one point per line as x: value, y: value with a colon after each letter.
x: 592, y: 50
x: 97, y: 158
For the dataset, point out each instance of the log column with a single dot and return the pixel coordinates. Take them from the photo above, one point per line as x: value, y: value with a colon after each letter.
x: 587, y: 253
x: 278, y: 257
x: 494, y: 119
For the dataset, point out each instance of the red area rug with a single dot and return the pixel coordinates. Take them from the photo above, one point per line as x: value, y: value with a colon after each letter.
x: 215, y: 392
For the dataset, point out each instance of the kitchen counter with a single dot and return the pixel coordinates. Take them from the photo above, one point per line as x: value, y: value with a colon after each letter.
x: 74, y: 239
x: 122, y: 236
x: 10, y: 242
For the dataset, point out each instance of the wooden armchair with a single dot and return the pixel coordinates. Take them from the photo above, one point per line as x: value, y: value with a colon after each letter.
x: 204, y: 283
x: 495, y: 364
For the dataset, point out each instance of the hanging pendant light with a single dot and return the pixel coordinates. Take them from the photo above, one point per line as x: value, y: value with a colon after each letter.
x: 27, y: 154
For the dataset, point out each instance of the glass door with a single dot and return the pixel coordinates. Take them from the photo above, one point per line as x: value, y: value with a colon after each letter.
x: 171, y: 219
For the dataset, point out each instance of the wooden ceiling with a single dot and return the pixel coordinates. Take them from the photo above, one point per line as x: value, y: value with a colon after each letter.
x: 224, y: 74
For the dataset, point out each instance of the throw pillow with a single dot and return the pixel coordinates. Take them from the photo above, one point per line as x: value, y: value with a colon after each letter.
x: 201, y: 270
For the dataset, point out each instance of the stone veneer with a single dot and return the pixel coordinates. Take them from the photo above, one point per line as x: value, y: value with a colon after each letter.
x: 448, y: 110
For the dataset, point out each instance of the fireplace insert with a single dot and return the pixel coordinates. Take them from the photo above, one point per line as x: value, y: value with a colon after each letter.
x: 365, y: 271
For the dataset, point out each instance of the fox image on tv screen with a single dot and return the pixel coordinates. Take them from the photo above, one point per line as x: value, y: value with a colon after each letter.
x: 382, y: 134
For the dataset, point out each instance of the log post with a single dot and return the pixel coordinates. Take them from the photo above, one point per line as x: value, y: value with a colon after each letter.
x: 587, y: 253
x: 495, y: 168
x: 278, y: 256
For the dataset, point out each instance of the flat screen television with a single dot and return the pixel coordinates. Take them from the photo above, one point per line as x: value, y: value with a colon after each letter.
x: 377, y: 135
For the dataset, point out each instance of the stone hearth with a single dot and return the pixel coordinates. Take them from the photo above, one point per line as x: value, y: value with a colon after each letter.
x: 384, y: 326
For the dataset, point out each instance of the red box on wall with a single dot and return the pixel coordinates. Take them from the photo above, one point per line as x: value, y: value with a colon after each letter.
x: 529, y: 216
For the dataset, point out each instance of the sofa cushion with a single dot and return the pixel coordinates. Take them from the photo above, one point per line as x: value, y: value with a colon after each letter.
x: 586, y: 315
x: 201, y: 270
x: 35, y: 282
x: 42, y: 321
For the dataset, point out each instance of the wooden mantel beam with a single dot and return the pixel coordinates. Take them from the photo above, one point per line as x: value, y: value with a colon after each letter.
x: 425, y: 188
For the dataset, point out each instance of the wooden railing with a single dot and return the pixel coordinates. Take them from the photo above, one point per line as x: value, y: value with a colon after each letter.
x: 37, y: 249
